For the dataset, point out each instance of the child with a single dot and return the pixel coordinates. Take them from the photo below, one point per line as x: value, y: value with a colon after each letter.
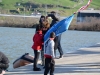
x: 37, y: 46
x: 49, y: 55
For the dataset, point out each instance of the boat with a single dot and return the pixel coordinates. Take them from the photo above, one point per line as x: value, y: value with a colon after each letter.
x: 25, y: 59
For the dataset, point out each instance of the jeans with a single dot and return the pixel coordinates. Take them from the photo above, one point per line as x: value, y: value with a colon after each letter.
x: 42, y: 56
x: 58, y: 45
x: 49, y: 66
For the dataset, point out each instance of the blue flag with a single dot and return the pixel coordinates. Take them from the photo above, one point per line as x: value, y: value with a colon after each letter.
x: 59, y: 27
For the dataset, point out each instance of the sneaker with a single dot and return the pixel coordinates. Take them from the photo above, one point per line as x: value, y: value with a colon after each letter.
x: 36, y: 69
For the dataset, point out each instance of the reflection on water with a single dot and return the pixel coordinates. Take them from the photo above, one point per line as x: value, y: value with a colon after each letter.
x: 14, y: 42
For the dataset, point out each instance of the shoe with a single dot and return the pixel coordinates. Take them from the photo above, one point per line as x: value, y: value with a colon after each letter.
x: 42, y: 64
x: 36, y: 69
x: 61, y: 56
x: 43, y: 67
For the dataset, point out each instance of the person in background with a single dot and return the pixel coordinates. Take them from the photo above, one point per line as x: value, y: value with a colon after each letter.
x: 4, y: 63
x: 48, y: 19
x: 42, y: 19
x: 37, y: 46
x: 45, y: 28
x: 54, y: 18
x: 49, y: 55
x: 57, y: 38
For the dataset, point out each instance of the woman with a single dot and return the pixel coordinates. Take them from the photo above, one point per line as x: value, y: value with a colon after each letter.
x: 45, y: 28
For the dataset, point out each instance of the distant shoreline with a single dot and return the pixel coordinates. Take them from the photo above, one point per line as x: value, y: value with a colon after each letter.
x: 18, y: 22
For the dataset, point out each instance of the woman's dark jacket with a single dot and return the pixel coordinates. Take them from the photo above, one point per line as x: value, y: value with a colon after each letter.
x: 4, y: 62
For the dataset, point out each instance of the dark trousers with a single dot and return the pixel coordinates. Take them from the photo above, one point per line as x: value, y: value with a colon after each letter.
x: 49, y: 66
x: 36, y: 57
x: 42, y: 56
x: 58, y: 45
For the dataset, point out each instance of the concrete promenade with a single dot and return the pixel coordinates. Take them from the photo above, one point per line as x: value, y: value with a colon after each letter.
x: 85, y: 61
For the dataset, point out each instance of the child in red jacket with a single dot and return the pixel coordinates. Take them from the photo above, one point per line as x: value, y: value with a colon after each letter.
x: 37, y: 46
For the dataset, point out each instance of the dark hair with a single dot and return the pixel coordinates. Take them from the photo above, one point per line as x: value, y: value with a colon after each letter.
x: 52, y: 35
x: 42, y: 16
x: 41, y: 21
x: 53, y: 17
x: 38, y: 27
x: 53, y: 12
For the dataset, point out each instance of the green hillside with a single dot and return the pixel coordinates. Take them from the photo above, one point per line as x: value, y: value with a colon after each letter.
x: 64, y: 7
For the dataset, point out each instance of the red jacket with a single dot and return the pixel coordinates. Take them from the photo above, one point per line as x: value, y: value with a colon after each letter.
x: 38, y: 40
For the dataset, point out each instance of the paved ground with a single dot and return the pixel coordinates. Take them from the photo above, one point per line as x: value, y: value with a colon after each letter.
x: 85, y: 61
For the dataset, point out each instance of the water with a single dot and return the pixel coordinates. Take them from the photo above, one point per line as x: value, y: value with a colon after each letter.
x: 14, y: 42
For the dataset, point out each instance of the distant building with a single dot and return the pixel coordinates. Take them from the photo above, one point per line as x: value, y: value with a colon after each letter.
x: 87, y: 14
